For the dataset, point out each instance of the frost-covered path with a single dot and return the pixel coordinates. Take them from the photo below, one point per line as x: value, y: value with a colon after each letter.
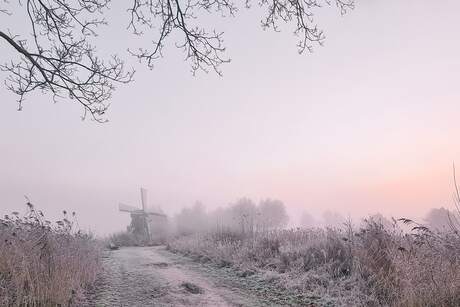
x: 152, y: 276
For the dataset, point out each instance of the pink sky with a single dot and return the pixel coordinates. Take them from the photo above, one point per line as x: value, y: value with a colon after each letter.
x: 369, y: 123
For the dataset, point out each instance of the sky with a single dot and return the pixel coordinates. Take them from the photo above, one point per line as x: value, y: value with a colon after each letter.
x: 368, y: 123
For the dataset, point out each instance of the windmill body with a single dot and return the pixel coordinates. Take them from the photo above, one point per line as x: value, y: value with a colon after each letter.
x: 143, y: 220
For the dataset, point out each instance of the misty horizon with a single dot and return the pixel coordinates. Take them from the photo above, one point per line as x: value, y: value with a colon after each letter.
x: 215, y: 153
x: 365, y: 124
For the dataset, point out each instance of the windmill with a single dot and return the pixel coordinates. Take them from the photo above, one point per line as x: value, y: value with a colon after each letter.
x: 141, y: 218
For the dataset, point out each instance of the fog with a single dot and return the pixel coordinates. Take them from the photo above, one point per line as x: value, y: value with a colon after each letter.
x: 366, y: 124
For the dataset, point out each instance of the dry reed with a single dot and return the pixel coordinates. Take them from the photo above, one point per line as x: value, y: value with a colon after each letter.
x: 44, y: 263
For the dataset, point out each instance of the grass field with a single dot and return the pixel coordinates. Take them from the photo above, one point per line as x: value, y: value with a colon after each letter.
x: 369, y: 266
x: 403, y: 264
x: 44, y: 263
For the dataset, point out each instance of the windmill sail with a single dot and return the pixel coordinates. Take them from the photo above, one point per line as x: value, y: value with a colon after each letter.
x: 127, y: 208
x: 142, y: 219
x: 144, y: 199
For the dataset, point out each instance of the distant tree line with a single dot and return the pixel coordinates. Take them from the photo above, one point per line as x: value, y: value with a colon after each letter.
x: 243, y: 216
x: 327, y: 219
x: 437, y: 220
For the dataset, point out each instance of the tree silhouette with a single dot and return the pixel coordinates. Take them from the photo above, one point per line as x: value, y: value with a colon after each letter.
x: 59, y: 58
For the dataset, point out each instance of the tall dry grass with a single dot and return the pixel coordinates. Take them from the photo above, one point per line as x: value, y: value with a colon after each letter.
x: 44, y: 263
x: 373, y: 265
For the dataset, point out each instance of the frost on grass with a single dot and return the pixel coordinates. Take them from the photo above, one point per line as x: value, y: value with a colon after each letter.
x: 370, y: 266
x: 44, y: 263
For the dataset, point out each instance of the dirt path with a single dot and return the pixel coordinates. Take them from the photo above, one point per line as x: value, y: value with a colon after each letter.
x: 152, y: 276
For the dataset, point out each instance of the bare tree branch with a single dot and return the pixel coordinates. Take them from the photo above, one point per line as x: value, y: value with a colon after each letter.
x: 60, y: 59
x: 204, y: 47
x: 3, y: 10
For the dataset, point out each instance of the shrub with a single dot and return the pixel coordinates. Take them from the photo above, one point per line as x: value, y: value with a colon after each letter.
x: 45, y: 264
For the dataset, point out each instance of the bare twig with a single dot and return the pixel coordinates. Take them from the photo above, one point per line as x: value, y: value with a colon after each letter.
x: 60, y: 59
